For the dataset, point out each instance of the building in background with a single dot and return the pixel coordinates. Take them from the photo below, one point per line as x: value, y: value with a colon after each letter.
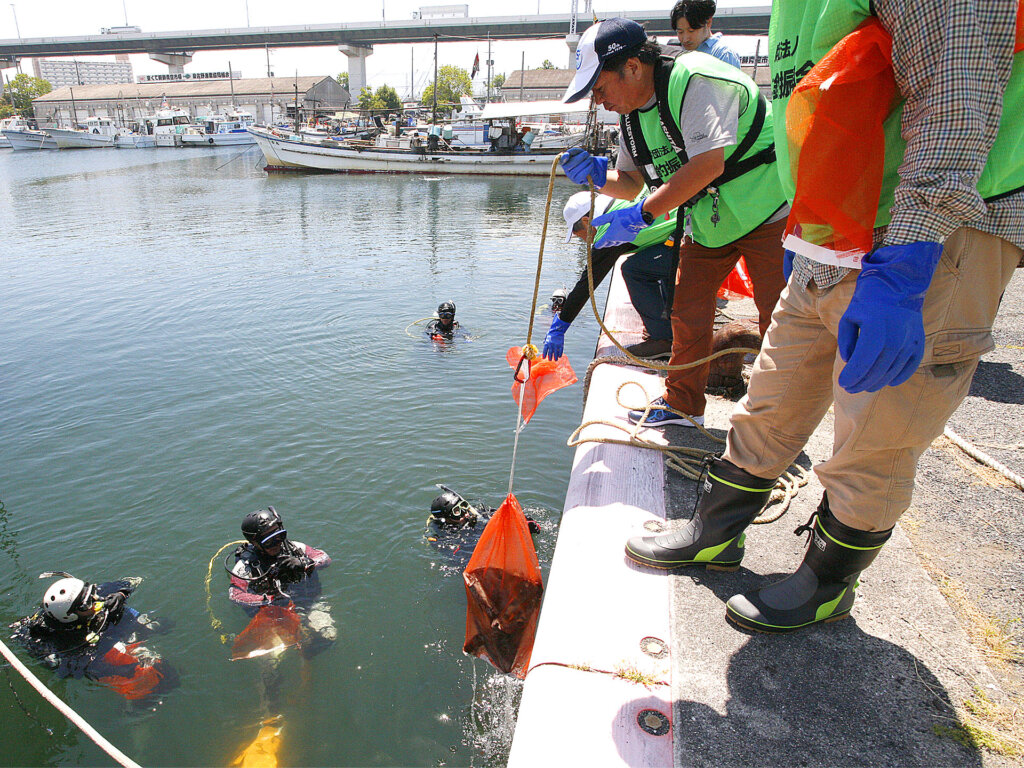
x: 64, y: 71
x: 269, y: 99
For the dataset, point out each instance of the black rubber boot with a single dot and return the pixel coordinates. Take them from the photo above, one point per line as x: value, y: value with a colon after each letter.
x: 822, y: 589
x: 729, y: 500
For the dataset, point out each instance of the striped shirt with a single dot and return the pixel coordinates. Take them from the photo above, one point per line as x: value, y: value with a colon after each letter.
x: 952, y: 63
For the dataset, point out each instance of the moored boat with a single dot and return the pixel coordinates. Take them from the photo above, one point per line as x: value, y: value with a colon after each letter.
x: 22, y: 134
x: 92, y: 133
x: 219, y: 131
x: 288, y: 151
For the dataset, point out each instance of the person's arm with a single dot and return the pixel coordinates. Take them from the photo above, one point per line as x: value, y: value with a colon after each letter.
x: 604, y: 259
x: 624, y: 185
x: 686, y: 182
x: 952, y: 63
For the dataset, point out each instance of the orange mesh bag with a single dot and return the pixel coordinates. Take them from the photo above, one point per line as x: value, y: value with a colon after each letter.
x: 142, y: 680
x: 737, y: 285
x: 1019, y: 42
x: 834, y: 125
x: 503, y: 592
x: 545, y: 376
x: 273, y: 628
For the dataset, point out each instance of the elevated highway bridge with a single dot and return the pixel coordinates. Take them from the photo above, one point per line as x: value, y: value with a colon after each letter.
x: 355, y: 39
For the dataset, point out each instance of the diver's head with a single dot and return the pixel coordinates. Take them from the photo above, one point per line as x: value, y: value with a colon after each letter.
x: 451, y: 509
x: 69, y: 600
x: 558, y: 297
x: 446, y: 312
x: 265, y: 530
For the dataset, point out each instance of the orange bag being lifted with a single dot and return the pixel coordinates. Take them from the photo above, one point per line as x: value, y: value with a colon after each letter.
x: 503, y: 592
x: 545, y: 377
x: 737, y: 285
x: 834, y: 125
x: 273, y: 628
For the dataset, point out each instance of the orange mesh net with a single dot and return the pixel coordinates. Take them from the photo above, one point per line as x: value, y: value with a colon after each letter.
x: 834, y: 124
x: 503, y: 592
x: 737, y: 285
x: 545, y: 376
x: 143, y: 679
x: 272, y: 629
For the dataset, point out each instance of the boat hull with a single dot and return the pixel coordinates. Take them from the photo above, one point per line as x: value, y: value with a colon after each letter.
x: 290, y: 154
x: 68, y: 139
x: 21, y: 140
x: 217, y: 139
x: 134, y: 141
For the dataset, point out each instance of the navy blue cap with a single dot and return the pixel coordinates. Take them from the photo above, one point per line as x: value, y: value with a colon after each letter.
x: 598, y: 44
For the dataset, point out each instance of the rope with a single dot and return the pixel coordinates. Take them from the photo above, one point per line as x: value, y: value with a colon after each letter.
x: 214, y: 621
x: 416, y: 322
x: 236, y: 157
x: 687, y: 460
x: 984, y: 458
x: 117, y: 755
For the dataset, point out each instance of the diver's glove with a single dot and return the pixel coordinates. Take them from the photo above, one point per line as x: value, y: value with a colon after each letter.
x: 881, y: 334
x: 114, y: 605
x: 295, y: 568
x: 554, y: 342
x: 624, y: 225
x: 578, y: 164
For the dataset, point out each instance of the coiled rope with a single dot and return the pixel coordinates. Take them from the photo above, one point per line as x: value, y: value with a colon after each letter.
x: 97, y: 738
x: 216, y: 623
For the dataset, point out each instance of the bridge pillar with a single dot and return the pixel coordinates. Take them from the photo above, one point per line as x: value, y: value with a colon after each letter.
x: 572, y: 41
x: 175, y: 61
x: 356, y: 67
x: 8, y: 62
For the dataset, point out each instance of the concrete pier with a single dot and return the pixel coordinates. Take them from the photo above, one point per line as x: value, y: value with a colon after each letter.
x: 880, y: 688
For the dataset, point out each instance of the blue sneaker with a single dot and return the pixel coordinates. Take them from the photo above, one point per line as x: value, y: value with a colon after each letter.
x: 662, y: 414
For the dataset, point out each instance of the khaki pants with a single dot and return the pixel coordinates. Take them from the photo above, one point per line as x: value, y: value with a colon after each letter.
x: 879, y: 436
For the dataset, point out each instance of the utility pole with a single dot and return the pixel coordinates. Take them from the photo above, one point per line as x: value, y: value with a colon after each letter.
x: 489, y: 62
x: 412, y: 73
x: 16, y: 28
x: 522, y: 75
x: 269, y: 73
x: 433, y: 118
x: 247, y: 13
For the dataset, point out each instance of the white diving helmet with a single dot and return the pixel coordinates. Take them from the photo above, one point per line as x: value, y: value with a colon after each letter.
x: 65, y: 597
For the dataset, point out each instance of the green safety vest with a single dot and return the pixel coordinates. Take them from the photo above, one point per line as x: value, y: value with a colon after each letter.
x: 661, y: 230
x: 748, y: 192
x: 801, y: 32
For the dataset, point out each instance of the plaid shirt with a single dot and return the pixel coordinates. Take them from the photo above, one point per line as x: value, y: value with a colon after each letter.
x: 952, y: 63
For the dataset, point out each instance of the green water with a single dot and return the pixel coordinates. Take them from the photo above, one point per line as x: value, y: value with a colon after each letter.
x: 183, y: 341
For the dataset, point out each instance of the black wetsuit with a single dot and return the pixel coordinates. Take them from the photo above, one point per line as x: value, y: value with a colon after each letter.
x: 437, y: 331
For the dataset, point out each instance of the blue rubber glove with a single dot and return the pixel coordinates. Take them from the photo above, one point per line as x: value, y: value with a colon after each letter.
x: 624, y: 225
x: 787, y: 264
x: 554, y: 342
x: 881, y: 334
x: 578, y: 164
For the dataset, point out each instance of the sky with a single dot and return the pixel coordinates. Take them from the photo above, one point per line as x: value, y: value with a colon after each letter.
x: 389, y: 64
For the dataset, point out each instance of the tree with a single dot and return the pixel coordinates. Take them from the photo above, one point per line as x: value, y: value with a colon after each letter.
x: 343, y: 80
x: 22, y: 89
x: 384, y: 100
x: 497, y: 81
x: 547, y: 64
x: 452, y: 83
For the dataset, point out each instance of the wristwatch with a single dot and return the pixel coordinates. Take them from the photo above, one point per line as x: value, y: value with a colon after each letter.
x: 647, y: 216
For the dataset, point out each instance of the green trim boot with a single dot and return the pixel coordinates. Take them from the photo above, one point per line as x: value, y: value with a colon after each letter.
x: 729, y: 500
x: 823, y: 587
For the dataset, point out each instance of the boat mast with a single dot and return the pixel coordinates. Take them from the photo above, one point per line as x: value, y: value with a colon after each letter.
x: 489, y: 62
x: 231, y: 85
x: 74, y: 109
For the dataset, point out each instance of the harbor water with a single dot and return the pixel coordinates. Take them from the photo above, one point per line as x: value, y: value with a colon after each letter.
x: 185, y: 339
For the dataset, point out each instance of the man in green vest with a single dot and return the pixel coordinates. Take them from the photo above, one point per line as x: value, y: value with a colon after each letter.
x: 698, y: 133
x: 892, y: 339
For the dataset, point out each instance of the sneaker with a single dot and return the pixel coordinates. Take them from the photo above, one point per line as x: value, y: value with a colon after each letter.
x: 662, y: 414
x: 651, y: 348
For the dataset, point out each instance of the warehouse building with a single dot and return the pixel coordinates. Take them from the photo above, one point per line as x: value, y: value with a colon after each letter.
x: 269, y: 99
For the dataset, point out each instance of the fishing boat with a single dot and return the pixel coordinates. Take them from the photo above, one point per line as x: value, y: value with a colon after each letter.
x: 166, y: 126
x: 407, y: 154
x: 92, y: 133
x: 8, y: 122
x: 22, y: 134
x: 219, y: 131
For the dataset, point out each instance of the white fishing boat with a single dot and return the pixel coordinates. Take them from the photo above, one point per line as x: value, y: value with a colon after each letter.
x: 285, y: 150
x: 219, y: 131
x: 91, y: 133
x: 132, y: 139
x: 166, y: 126
x: 22, y: 133
x: 9, y: 123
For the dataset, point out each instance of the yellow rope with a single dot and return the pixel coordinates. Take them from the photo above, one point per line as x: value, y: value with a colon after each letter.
x: 529, y: 350
x: 214, y: 621
x: 415, y: 322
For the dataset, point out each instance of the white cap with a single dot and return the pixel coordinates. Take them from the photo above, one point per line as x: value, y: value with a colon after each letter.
x: 578, y: 206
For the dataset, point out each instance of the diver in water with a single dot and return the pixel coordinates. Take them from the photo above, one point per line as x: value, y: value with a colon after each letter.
x: 83, y: 629
x: 558, y: 297
x: 445, y: 325
x: 453, y: 522
x: 272, y: 569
